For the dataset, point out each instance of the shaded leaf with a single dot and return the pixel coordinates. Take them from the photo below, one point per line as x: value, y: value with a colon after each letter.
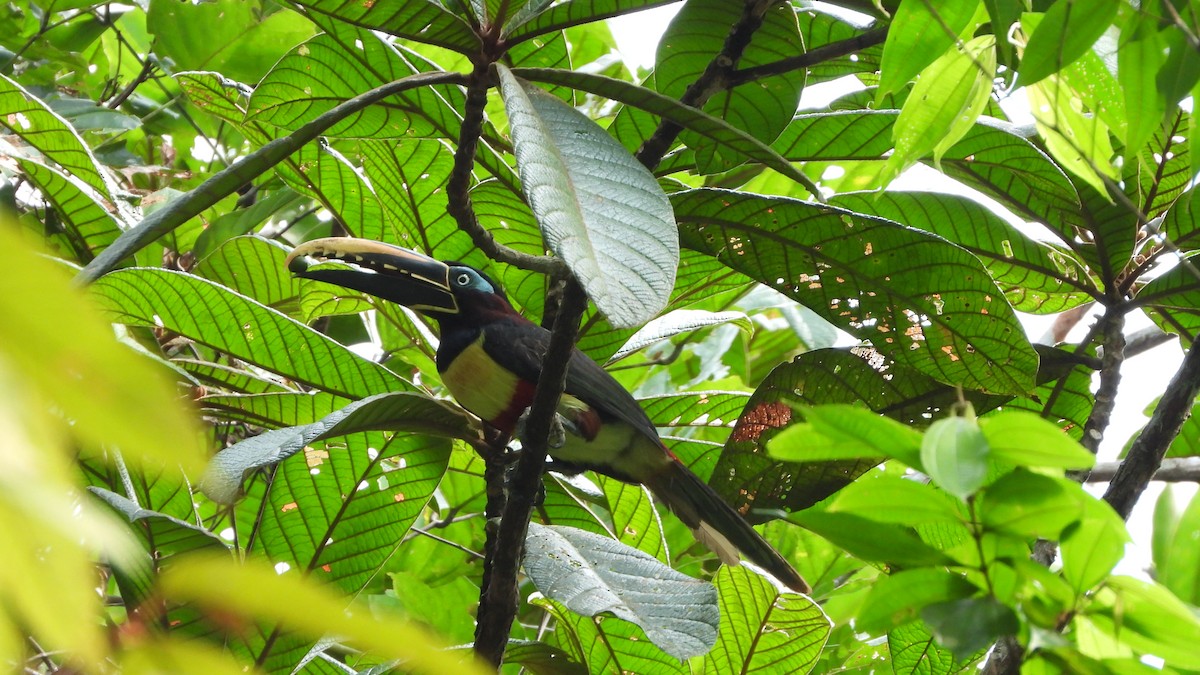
x: 420, y: 20
x: 873, y: 278
x: 88, y: 227
x: 969, y: 625
x: 898, y: 598
x: 871, y: 540
x: 592, y: 574
x: 763, y: 629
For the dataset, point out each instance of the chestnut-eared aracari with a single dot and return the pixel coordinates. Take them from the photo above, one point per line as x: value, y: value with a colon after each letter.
x: 490, y: 358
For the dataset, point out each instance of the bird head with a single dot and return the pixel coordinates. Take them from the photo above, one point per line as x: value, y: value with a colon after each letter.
x: 441, y: 290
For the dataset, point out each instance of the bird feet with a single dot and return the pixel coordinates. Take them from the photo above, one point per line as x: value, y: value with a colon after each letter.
x: 559, y: 428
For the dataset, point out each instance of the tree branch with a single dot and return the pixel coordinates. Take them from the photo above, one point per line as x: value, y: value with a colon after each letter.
x: 808, y: 59
x: 1110, y: 377
x: 710, y: 82
x: 1171, y: 470
x: 228, y: 180
x: 1146, y: 454
x: 498, y: 602
x: 458, y: 192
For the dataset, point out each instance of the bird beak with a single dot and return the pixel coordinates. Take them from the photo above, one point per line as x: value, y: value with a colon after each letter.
x: 382, y: 270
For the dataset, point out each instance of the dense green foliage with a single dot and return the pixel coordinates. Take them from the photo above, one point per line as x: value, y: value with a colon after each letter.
x: 257, y: 471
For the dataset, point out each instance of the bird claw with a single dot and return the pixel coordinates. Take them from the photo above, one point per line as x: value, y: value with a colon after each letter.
x: 559, y: 428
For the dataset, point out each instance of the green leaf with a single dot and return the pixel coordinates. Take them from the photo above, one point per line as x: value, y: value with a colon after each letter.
x: 599, y: 209
x: 424, y: 21
x: 871, y: 540
x: 891, y: 499
x: 1026, y: 439
x: 1069, y: 29
x: 321, y: 73
x: 88, y: 227
x: 898, y: 598
x: 256, y: 591
x: 1080, y: 143
x: 955, y: 455
x: 1148, y: 618
x: 396, y: 411
x: 944, y: 104
x: 1029, y: 505
x: 873, y: 278
x: 31, y: 120
x: 1035, y: 277
x: 69, y: 356
x: 591, y: 574
x: 558, y: 16
x: 845, y: 432
x: 969, y: 625
x: 920, y: 33
x: 1091, y: 549
x: 914, y: 652
x: 540, y: 658
x: 763, y: 630
x: 634, y: 518
x: 1181, y: 571
x: 222, y: 319
x: 1138, y: 61
x: 678, y: 322
x: 228, y: 36
x: 254, y: 267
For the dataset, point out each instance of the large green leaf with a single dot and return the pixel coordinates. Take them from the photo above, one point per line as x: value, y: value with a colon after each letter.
x: 590, y: 574
x: 919, y: 299
x: 608, y: 645
x: 763, y: 630
x: 745, y: 472
x: 225, y: 320
x: 30, y: 119
x: 915, y: 652
x: 1035, y: 277
x: 711, y: 128
x: 321, y: 73
x: 340, y: 509
x: 398, y: 411
x: 634, y: 518
x: 598, y: 208
x: 230, y: 36
x: 425, y: 21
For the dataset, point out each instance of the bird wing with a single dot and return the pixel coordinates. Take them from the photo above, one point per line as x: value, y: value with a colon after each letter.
x: 586, y: 380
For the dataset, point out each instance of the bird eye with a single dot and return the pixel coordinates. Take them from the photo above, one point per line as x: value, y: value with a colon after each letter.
x: 463, y: 279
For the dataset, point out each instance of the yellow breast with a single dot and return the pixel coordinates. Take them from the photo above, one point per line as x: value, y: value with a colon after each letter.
x: 482, y: 386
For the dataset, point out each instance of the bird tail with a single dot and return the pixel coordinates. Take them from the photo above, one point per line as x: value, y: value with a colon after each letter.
x: 717, y: 525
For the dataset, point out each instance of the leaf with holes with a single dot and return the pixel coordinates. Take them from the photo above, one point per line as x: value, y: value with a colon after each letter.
x: 919, y: 299
x: 397, y: 411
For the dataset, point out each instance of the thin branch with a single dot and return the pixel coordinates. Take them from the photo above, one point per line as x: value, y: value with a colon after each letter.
x: 1172, y: 470
x: 228, y: 180
x: 828, y: 52
x: 1113, y: 325
x: 499, y: 601
x: 1146, y: 454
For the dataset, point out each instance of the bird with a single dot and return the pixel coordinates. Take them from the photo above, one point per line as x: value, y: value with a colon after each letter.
x: 490, y: 358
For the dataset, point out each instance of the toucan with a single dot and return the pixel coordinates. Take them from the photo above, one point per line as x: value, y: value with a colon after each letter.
x: 490, y: 358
